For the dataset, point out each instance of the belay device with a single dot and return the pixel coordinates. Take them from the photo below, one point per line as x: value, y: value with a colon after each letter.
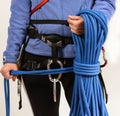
x: 87, y: 99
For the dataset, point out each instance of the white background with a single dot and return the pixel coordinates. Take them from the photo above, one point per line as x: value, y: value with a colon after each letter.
x: 111, y: 72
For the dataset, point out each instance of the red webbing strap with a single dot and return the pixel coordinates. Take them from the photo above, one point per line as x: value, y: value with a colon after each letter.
x: 39, y: 6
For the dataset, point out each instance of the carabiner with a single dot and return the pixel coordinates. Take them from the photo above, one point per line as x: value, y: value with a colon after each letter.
x: 104, y: 58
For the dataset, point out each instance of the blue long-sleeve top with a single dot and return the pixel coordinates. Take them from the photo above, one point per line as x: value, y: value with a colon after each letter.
x: 54, y: 9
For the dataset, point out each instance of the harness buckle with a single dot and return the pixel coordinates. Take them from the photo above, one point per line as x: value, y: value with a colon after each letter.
x: 104, y: 58
x: 32, y: 31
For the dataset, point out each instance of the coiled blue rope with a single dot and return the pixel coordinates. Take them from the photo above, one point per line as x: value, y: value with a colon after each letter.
x: 87, y: 97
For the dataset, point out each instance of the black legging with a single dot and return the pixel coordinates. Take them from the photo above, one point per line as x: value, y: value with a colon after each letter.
x: 40, y: 88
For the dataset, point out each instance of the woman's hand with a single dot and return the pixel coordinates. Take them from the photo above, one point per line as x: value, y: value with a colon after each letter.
x: 5, y: 70
x: 76, y: 24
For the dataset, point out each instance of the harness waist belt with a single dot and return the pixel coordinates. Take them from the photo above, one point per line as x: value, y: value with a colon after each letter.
x: 61, y: 22
x: 33, y: 33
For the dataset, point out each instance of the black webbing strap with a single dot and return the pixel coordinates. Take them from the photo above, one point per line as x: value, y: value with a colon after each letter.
x: 61, y: 22
x: 105, y: 94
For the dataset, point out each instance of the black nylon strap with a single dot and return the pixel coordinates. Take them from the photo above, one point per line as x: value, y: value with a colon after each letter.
x: 62, y: 22
x: 104, y: 90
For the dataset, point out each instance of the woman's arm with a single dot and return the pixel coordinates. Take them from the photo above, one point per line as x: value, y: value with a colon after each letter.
x: 19, y: 20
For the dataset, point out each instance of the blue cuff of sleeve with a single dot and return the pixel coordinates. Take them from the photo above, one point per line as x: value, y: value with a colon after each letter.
x: 9, y: 60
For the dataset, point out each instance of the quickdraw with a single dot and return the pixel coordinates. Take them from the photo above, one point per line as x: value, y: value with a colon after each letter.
x: 104, y: 58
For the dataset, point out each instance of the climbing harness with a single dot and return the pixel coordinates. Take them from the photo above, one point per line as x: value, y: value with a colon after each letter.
x: 55, y: 41
x: 87, y: 97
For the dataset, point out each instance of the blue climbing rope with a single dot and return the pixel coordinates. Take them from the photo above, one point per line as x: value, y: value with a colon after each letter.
x: 7, y: 96
x: 87, y: 99
x: 36, y: 72
x: 43, y: 72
